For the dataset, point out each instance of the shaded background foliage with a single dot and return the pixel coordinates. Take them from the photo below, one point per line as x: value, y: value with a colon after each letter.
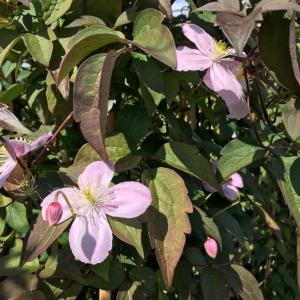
x: 65, y: 63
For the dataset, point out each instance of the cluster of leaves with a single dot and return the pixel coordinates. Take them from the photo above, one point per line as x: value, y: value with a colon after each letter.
x: 102, y: 75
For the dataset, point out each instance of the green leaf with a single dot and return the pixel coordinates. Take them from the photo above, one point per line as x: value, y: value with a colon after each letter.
x: 40, y: 238
x: 128, y: 231
x: 153, y: 37
x: 13, y: 92
x: 130, y: 291
x: 274, y: 34
x: 291, y: 118
x: 120, y: 154
x: 213, y: 284
x: 167, y: 219
x: 16, y: 217
x: 84, y: 43
x: 116, y: 277
x: 286, y: 170
x: 134, y: 122
x: 54, y: 9
x: 126, y: 17
x: 9, y: 121
x: 238, y: 154
x: 249, y: 289
x: 8, y: 47
x: 39, y: 47
x: 187, y: 158
x: 209, y: 226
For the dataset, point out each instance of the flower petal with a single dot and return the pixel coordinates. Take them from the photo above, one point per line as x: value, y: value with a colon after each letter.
x: 223, y: 81
x: 204, y: 42
x: 236, y: 180
x: 72, y: 195
x: 97, y: 174
x: 191, y: 60
x: 20, y: 148
x: 90, y: 239
x: 40, y: 141
x: 6, y: 170
x: 230, y: 191
x: 128, y: 200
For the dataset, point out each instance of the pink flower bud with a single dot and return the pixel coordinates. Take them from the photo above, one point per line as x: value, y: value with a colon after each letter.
x: 211, y: 247
x: 53, y: 213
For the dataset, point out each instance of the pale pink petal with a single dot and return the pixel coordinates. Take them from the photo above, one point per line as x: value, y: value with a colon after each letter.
x: 236, y: 180
x: 19, y: 147
x: 40, y: 141
x: 238, y: 110
x: 6, y: 169
x: 191, y: 60
x: 96, y: 175
x: 90, y: 238
x: 73, y: 197
x: 128, y: 200
x: 230, y: 191
x: 204, y: 42
x: 9, y: 147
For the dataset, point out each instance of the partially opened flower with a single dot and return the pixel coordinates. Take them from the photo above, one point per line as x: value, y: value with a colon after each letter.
x: 230, y: 187
x: 222, y: 71
x: 13, y: 149
x: 90, y: 235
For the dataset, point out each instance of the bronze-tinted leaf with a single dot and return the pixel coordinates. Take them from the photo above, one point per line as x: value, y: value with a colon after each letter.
x: 291, y: 118
x: 40, y: 238
x: 167, y: 218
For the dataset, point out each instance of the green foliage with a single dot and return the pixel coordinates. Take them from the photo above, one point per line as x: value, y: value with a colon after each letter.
x: 102, y: 76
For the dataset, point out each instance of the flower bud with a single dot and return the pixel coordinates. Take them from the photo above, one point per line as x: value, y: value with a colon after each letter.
x: 211, y: 247
x: 53, y: 213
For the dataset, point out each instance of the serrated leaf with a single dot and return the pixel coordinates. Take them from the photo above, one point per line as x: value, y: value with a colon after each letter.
x: 84, y: 43
x: 128, y: 231
x: 9, y: 121
x: 153, y: 37
x: 187, y: 158
x: 286, y: 170
x: 167, y: 219
x: 54, y: 9
x: 39, y: 47
x: 238, y: 154
x: 250, y: 289
x: 40, y: 238
x: 274, y: 34
x: 92, y: 84
x: 291, y: 118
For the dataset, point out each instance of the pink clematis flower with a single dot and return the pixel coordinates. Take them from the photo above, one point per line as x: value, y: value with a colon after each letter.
x: 211, y: 247
x: 90, y: 236
x: 14, y: 149
x: 230, y: 187
x: 222, y: 71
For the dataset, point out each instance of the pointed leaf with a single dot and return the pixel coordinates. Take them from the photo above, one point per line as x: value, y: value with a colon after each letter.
x: 9, y: 121
x: 286, y: 170
x: 84, y: 43
x: 187, y: 158
x: 167, y: 219
x: 128, y: 231
x: 153, y: 37
x: 40, y: 238
x: 4, y: 52
x: 54, y: 9
x: 291, y: 118
x: 238, y: 154
x: 39, y: 47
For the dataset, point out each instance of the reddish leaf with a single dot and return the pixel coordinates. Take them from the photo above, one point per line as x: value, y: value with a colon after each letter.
x: 167, y: 218
x: 40, y: 238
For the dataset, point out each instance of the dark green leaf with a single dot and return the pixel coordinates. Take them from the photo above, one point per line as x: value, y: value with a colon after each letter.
x: 16, y: 217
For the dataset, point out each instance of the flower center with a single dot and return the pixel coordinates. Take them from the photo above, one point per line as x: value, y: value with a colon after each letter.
x: 220, y: 50
x: 3, y: 155
x: 90, y: 196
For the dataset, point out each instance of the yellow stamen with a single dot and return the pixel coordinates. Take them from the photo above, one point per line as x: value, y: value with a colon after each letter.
x: 221, y: 50
x: 90, y: 196
x: 3, y: 155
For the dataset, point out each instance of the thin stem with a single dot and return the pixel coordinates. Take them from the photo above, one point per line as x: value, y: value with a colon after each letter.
x: 54, y: 136
x: 226, y: 208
